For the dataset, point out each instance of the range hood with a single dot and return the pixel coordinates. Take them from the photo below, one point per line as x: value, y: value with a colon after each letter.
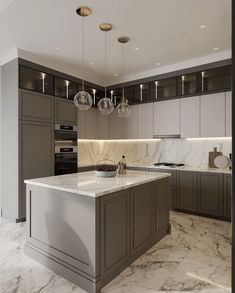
x: 162, y: 136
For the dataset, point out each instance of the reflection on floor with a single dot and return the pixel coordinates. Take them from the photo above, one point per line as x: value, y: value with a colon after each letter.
x: 194, y: 258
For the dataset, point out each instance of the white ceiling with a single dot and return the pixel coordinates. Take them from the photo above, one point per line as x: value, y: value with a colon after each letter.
x: 166, y: 31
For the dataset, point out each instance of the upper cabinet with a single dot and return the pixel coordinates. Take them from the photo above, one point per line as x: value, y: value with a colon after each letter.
x: 131, y: 124
x: 163, y: 89
x: 65, y: 112
x: 65, y: 88
x: 216, y: 79
x: 190, y: 117
x: 116, y: 126
x: 103, y: 126
x: 35, y: 80
x: 213, y: 115
x: 167, y: 117
x: 188, y: 84
x: 145, y: 121
x: 229, y: 114
x: 141, y: 93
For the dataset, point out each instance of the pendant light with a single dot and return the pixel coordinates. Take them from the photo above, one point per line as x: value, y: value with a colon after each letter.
x: 123, y: 110
x: 105, y: 105
x: 83, y: 99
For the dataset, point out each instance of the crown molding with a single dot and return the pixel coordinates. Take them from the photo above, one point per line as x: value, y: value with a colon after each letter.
x: 8, y: 57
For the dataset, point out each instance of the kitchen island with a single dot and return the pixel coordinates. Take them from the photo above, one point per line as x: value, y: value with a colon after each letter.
x: 89, y: 229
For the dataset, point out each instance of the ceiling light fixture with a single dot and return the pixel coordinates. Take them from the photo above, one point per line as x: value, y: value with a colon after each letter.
x: 158, y: 63
x: 83, y: 100
x: 91, y: 63
x: 216, y: 49
x: 115, y: 74
x: 136, y: 48
x: 202, y: 26
x: 105, y: 105
x: 123, y: 109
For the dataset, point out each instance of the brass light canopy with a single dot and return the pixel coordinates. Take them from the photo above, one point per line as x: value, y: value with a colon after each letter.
x: 105, y: 27
x: 83, y: 11
x: 123, y: 39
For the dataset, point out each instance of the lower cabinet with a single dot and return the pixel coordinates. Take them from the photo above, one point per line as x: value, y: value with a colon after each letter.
x: 227, y: 195
x: 187, y: 191
x: 210, y: 194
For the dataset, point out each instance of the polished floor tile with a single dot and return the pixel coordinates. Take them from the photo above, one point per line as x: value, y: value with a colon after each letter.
x: 195, y: 257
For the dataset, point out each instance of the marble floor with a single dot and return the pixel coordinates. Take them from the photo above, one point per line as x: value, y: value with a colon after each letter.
x: 194, y: 258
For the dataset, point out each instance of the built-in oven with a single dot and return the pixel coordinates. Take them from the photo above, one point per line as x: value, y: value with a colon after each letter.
x: 65, y: 149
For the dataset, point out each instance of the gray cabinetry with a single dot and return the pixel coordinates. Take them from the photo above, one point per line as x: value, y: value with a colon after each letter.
x: 36, y: 153
x: 141, y: 217
x: 227, y: 195
x: 161, y: 208
x: 65, y: 112
x: 115, y: 231
x: 36, y: 106
x: 210, y: 194
x: 187, y: 191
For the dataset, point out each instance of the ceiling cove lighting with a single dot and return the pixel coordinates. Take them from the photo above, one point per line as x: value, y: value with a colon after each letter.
x: 105, y: 105
x: 83, y: 100
x: 123, y: 110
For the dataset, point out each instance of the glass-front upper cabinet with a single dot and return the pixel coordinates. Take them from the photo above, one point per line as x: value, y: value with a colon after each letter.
x: 141, y: 93
x: 188, y: 84
x: 95, y: 94
x: 65, y: 88
x: 163, y: 89
x: 217, y: 79
x: 34, y: 80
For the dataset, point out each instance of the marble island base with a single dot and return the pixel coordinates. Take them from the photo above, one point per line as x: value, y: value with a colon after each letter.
x: 90, y: 240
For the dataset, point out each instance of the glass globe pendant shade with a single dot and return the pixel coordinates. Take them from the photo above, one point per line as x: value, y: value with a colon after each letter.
x: 105, y: 106
x: 83, y: 100
x: 123, y: 110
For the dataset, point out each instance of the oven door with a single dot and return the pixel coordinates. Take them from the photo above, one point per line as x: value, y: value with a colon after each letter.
x: 65, y: 163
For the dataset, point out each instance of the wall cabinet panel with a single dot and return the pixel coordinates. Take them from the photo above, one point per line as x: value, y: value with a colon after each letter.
x: 103, y: 126
x: 131, y: 124
x: 145, y: 121
x: 116, y: 126
x: 92, y: 124
x: 65, y: 112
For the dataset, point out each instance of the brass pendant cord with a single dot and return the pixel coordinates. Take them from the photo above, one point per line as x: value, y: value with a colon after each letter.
x: 123, y: 71
x: 83, y: 49
x: 105, y: 62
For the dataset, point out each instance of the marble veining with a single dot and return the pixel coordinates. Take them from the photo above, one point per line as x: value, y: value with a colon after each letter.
x: 191, y: 152
x: 195, y: 257
x: 86, y: 183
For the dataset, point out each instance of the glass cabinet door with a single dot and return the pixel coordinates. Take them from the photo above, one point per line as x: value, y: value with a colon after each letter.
x: 188, y: 84
x: 65, y: 88
x: 217, y: 79
x: 34, y: 80
x: 164, y: 88
x: 141, y: 93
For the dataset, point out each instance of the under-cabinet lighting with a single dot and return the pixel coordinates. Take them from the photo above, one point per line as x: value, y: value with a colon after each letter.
x: 210, y: 138
x: 118, y: 140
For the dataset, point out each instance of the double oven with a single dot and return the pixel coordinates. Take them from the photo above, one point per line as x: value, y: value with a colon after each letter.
x: 65, y: 149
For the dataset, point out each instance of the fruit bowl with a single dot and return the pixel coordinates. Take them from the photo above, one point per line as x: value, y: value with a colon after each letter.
x: 106, y: 171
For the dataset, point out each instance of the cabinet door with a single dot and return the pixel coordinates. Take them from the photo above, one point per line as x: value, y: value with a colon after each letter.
x: 103, y: 126
x: 145, y: 121
x: 115, y: 241
x: 187, y: 191
x: 36, y: 107
x: 91, y: 124
x: 81, y: 124
x: 161, y: 204
x: 65, y: 111
x: 229, y: 114
x: 190, y: 117
x: 227, y: 196
x: 36, y: 154
x: 141, y: 92
x: 167, y: 117
x: 141, y: 217
x: 213, y: 115
x: 210, y: 194
x: 116, y: 126
x: 131, y: 124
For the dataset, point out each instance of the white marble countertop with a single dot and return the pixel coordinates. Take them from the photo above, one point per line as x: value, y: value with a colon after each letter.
x: 86, y: 183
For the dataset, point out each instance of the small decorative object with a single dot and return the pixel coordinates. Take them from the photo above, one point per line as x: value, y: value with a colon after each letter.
x: 106, y: 169
x: 212, y: 156
x: 221, y: 162
x: 122, y: 166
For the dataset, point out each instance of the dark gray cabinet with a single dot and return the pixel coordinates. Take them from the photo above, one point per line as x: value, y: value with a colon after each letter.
x: 36, y: 106
x: 65, y: 112
x: 210, y: 194
x: 141, y: 217
x: 227, y: 196
x: 161, y: 208
x: 187, y: 191
x: 36, y: 155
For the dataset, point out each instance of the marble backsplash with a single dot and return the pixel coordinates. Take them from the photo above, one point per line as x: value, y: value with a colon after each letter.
x: 192, y: 152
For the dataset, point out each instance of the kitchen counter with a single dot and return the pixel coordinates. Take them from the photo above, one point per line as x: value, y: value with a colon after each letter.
x: 90, y: 229
x: 88, y: 184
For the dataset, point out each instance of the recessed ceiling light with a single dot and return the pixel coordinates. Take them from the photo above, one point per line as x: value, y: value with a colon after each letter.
x: 57, y: 48
x: 10, y: 35
x: 91, y: 63
x: 216, y: 49
x: 158, y: 63
x: 202, y: 26
x: 115, y: 74
x: 137, y: 48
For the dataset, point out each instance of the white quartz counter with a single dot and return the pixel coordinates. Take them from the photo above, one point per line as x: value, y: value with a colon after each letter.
x: 86, y: 183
